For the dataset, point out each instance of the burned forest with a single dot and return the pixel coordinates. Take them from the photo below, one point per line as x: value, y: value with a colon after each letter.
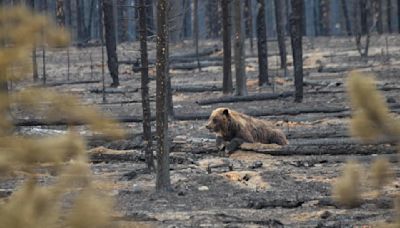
x: 199, y: 113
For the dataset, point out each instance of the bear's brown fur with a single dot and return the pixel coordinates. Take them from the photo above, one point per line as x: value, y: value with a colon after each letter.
x: 234, y: 126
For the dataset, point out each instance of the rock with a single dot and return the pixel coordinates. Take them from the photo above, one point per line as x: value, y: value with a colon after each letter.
x: 325, y: 214
x: 136, y: 188
x: 256, y: 165
x: 203, y: 188
x: 181, y: 193
x: 391, y: 100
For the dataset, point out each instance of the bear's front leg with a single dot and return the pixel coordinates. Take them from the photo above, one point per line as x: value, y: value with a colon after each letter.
x: 233, y: 145
x: 220, y: 143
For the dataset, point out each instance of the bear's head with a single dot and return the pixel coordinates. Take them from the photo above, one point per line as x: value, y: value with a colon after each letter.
x: 219, y: 120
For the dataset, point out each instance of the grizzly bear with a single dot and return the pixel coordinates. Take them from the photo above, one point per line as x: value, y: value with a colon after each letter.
x: 233, y: 128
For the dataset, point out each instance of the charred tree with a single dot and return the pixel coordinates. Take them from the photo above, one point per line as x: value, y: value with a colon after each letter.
x: 60, y: 14
x: 240, y: 71
x: 377, y: 6
x: 196, y: 30
x: 80, y: 19
x: 362, y: 25
x: 44, y: 74
x: 296, y: 33
x: 145, y: 86
x: 35, y: 74
x: 227, y: 86
x: 346, y: 17
x: 175, y: 19
x: 280, y: 29
x: 213, y: 24
x: 389, y: 15
x: 248, y: 15
x: 262, y: 44
x: 324, y: 21
x: 163, y: 181
x: 68, y: 9
x: 111, y: 41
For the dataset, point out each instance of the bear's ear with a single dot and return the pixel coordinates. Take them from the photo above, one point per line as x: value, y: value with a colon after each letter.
x: 226, y: 112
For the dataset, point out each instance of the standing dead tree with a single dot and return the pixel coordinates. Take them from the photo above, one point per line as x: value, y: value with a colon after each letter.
x: 262, y: 44
x: 196, y: 30
x: 145, y: 86
x: 111, y: 41
x: 346, y: 17
x: 296, y: 33
x: 240, y: 71
x: 163, y: 181
x: 364, y: 23
x: 44, y: 74
x: 227, y: 86
x: 35, y: 75
x: 280, y: 30
x: 248, y: 15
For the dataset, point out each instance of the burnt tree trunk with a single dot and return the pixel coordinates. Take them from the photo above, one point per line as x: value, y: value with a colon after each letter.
x: 68, y: 10
x: 163, y: 181
x: 240, y: 72
x: 196, y: 30
x: 389, y: 15
x: 346, y: 17
x: 248, y: 9
x: 60, y: 14
x: 324, y: 21
x: 145, y: 86
x: 213, y: 26
x: 111, y: 42
x: 262, y: 44
x: 227, y: 85
x: 280, y: 29
x: 377, y: 6
x: 44, y: 9
x: 80, y: 19
x: 35, y: 74
x: 296, y: 33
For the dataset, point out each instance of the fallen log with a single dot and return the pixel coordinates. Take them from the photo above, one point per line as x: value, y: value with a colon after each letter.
x: 54, y: 84
x: 342, y: 111
x: 193, y: 65
x: 179, y: 58
x: 273, y: 96
x: 327, y: 146
x: 195, y: 88
x: 113, y: 91
x: 253, y: 97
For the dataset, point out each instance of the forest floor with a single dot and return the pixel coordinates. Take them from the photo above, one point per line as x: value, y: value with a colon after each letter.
x: 249, y: 188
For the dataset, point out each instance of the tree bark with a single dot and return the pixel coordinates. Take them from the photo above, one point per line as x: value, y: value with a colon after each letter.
x: 35, y: 74
x: 111, y: 42
x: 280, y: 29
x: 240, y: 71
x: 346, y: 17
x: 196, y: 31
x: 262, y: 45
x: 44, y: 9
x: 80, y: 19
x: 248, y: 9
x: 213, y: 25
x: 145, y: 86
x: 296, y: 28
x: 227, y: 85
x: 389, y: 15
x: 68, y: 10
x: 60, y: 14
x: 175, y: 19
x: 163, y: 181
